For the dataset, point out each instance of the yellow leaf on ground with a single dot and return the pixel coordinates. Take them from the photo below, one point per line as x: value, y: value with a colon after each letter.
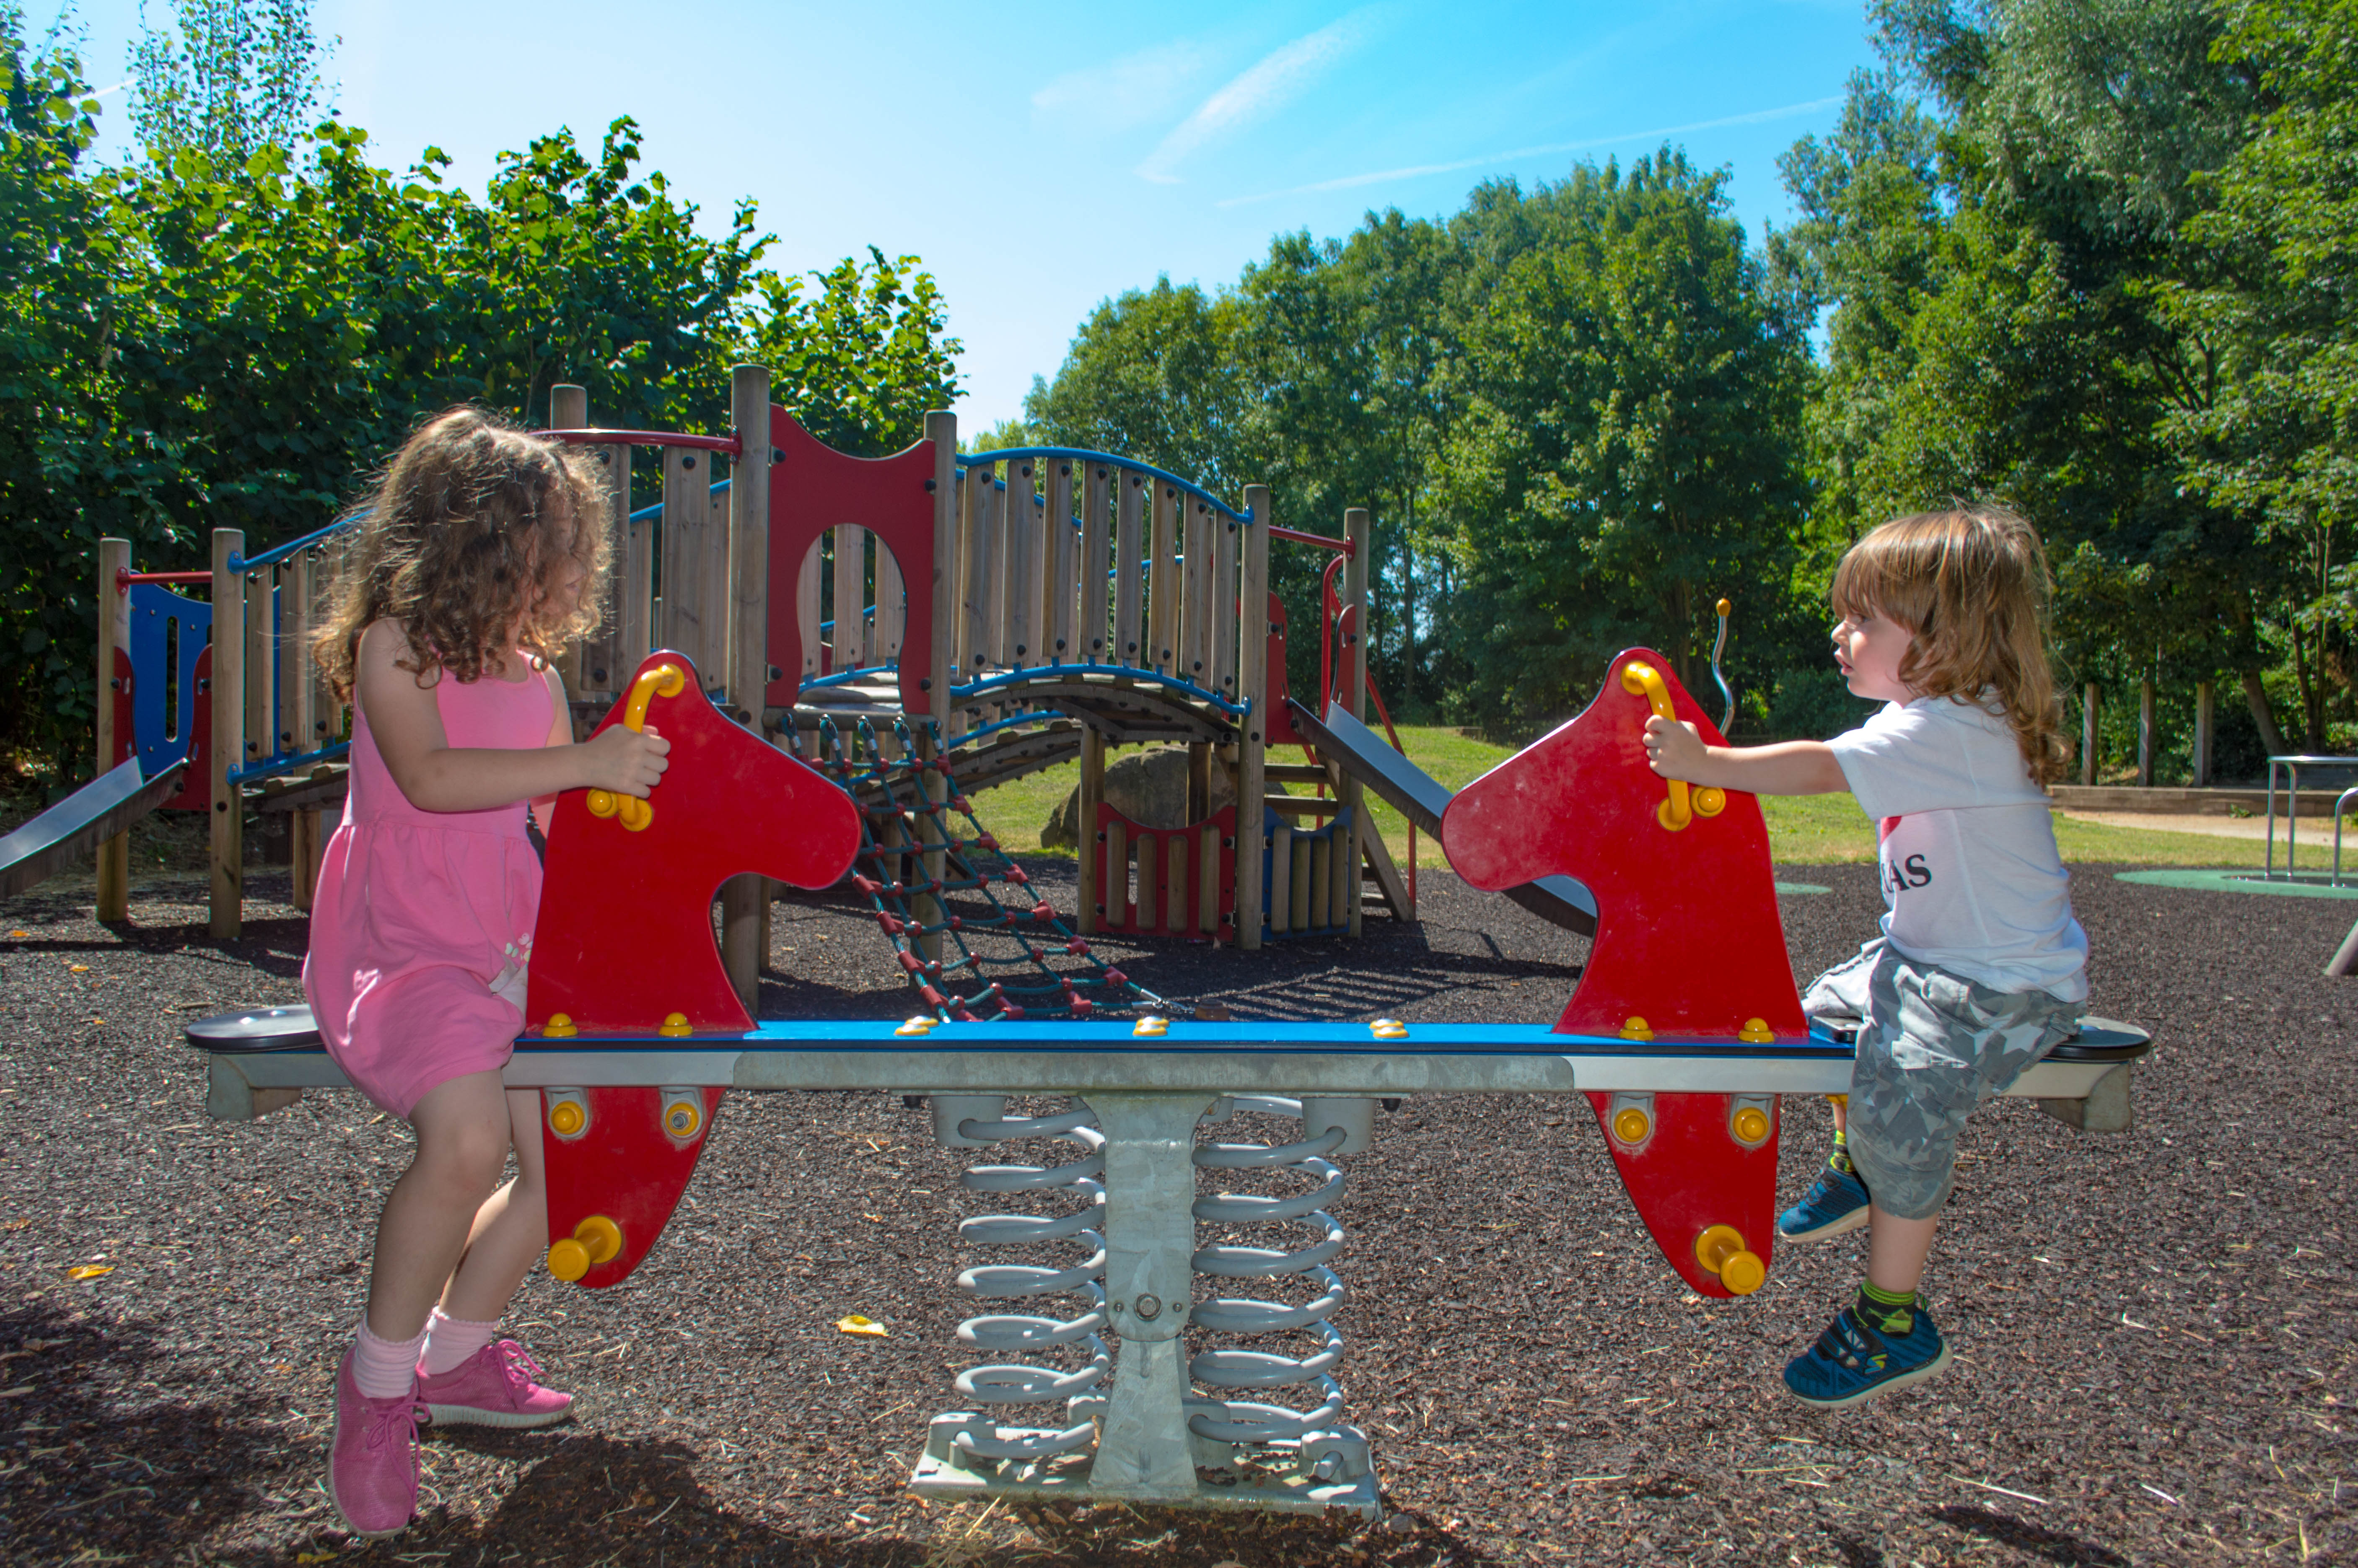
x: 78, y: 969
x: 856, y: 1323
x: 18, y: 935
x: 89, y: 1271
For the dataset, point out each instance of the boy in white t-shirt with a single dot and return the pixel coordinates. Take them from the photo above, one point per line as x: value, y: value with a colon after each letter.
x: 1981, y: 969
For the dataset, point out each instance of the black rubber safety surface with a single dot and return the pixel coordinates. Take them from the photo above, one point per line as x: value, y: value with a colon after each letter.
x: 2154, y: 1330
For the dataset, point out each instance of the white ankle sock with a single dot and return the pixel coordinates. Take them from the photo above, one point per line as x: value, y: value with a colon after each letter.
x: 385, y: 1368
x: 450, y: 1341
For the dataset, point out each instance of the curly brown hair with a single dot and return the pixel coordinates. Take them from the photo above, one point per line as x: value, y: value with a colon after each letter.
x: 1971, y: 585
x: 459, y: 540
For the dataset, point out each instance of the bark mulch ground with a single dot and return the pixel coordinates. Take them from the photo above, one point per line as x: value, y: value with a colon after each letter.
x: 2154, y: 1330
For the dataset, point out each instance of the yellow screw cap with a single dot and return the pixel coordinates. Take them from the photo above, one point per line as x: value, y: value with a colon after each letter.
x: 1751, y: 1124
x: 682, y: 1118
x: 920, y: 1024
x: 1631, y: 1125
x: 1152, y: 1027
x: 566, y: 1118
x: 1389, y: 1028
x: 1743, y: 1273
x: 674, y: 1025
x: 1757, y: 1032
x: 558, y: 1027
x: 1725, y: 607
x: 1709, y: 801
x: 1636, y: 1029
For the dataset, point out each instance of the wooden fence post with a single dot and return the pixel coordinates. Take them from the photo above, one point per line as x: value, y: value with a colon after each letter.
x: 229, y: 735
x: 2144, y: 734
x: 941, y: 429
x: 113, y: 632
x: 2206, y: 699
x: 2088, y: 734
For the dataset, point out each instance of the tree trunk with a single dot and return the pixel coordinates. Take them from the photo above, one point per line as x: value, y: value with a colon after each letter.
x: 2255, y: 696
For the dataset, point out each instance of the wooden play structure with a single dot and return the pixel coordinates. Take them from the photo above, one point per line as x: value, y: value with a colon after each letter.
x: 957, y: 619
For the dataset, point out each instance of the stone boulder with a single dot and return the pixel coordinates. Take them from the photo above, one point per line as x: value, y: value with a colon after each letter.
x: 1149, y: 788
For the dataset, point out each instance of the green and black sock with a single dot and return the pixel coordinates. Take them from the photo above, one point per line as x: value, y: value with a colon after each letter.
x: 1840, y: 1159
x: 1886, y: 1312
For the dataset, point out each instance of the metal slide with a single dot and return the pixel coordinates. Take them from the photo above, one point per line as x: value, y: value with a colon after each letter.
x: 1418, y: 797
x: 84, y: 819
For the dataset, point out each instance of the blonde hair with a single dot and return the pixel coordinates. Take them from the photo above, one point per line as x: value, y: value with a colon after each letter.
x: 459, y: 542
x: 1971, y: 585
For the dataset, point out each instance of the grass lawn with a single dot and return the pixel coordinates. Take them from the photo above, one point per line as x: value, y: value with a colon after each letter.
x: 1805, y: 830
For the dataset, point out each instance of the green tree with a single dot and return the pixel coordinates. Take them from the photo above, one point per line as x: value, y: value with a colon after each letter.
x: 1628, y: 446
x: 2272, y: 293
x: 241, y: 76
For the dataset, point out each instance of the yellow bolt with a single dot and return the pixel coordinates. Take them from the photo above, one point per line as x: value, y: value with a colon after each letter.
x: 1636, y: 1029
x: 682, y: 1118
x: 1751, y: 1124
x: 558, y: 1027
x: 674, y: 1026
x: 566, y: 1118
x: 1630, y: 1125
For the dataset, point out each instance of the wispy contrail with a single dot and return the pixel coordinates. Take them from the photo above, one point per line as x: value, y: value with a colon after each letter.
x: 1417, y: 170
x: 1275, y: 80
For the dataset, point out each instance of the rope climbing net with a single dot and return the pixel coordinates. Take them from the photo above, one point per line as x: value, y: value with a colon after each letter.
x: 900, y: 824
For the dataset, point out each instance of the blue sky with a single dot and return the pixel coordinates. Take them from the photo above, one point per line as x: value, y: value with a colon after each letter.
x: 1041, y: 158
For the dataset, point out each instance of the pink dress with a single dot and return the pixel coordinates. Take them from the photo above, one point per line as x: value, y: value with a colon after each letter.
x: 422, y: 923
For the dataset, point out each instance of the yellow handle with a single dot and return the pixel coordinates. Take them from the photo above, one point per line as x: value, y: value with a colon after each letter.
x: 1721, y: 1250
x: 1678, y: 809
x: 663, y: 680
x: 595, y: 1240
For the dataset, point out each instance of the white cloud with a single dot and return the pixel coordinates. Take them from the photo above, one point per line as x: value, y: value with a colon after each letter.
x: 1136, y: 90
x: 1277, y: 78
x: 1413, y: 171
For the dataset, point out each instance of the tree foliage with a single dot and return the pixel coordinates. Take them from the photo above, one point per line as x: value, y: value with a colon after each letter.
x: 202, y: 339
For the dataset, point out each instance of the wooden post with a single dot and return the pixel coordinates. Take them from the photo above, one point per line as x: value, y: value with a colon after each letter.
x: 1089, y: 638
x: 635, y: 546
x: 1227, y: 540
x: 2206, y: 715
x: 1359, y: 531
x: 1128, y: 559
x: 2144, y: 734
x: 1092, y: 791
x: 851, y: 597
x: 261, y: 717
x: 228, y: 736
x: 113, y: 632
x: 306, y: 845
x: 297, y: 681
x: 2088, y: 734
x: 685, y: 505
x: 745, y: 901
x: 568, y: 410
x: 1063, y: 553
x: 1162, y: 618
x: 941, y: 429
x: 1252, y: 686
x: 1026, y: 594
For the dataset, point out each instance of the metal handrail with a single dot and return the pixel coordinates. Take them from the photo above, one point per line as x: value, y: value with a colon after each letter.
x: 2340, y: 807
x: 2292, y: 763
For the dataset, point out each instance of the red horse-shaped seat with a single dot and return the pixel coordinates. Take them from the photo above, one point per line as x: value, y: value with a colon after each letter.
x: 1688, y: 948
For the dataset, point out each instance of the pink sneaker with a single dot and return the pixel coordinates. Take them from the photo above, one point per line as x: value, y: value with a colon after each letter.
x: 494, y: 1386
x: 372, y: 1458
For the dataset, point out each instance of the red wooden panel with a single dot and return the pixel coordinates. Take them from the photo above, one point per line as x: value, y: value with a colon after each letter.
x: 196, y: 791
x: 813, y: 487
x: 1175, y: 913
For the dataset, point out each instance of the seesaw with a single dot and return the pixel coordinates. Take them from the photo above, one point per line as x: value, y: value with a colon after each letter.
x: 1684, y: 1032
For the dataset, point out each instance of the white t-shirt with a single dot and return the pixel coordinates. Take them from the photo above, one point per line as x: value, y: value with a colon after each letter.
x: 1970, y: 870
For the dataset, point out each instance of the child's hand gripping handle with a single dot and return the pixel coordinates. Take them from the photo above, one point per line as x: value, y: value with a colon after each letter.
x: 663, y: 680
x: 1678, y: 810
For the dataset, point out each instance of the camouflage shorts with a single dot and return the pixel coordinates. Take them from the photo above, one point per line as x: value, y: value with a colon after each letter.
x: 1931, y: 1046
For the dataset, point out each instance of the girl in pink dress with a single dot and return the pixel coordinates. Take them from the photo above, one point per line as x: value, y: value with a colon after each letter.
x: 481, y: 551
